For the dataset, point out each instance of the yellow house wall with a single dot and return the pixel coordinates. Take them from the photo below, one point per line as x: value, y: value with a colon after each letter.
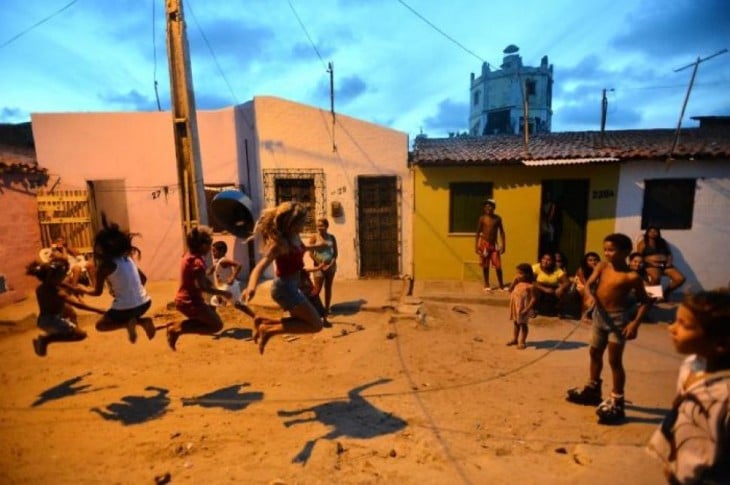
x: 517, y: 191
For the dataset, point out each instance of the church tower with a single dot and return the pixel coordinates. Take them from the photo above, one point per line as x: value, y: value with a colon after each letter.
x: 496, y: 103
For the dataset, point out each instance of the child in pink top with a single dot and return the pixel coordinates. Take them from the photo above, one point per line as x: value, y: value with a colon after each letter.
x: 520, y: 303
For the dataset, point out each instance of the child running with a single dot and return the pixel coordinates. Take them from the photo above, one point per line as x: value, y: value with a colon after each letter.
x: 280, y: 228
x: 114, y: 255
x: 201, y: 317
x: 693, y: 441
x: 57, y: 317
x: 520, y: 303
x: 611, y: 326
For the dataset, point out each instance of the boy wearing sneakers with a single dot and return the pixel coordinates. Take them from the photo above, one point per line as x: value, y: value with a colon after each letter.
x: 610, y: 285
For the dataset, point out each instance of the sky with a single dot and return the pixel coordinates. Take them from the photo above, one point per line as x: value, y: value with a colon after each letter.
x: 405, y: 64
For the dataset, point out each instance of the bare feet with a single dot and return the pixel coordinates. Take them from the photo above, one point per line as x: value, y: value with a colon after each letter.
x: 522, y: 346
x: 264, y: 337
x: 39, y: 346
x: 257, y: 321
x: 149, y: 327
x: 511, y: 342
x: 172, y: 336
x: 131, y: 330
x: 244, y: 308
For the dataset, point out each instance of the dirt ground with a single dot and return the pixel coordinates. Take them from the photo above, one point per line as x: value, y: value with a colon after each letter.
x: 379, y: 398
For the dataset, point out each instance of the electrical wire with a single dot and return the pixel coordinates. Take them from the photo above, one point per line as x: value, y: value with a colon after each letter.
x: 40, y: 22
x: 154, y: 55
x: 301, y: 24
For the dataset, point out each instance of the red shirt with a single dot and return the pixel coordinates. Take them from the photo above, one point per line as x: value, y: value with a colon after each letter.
x: 290, y: 263
x: 191, y: 267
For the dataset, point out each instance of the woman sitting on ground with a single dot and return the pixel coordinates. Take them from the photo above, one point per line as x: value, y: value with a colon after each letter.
x: 590, y: 260
x: 551, y: 284
x: 658, y: 259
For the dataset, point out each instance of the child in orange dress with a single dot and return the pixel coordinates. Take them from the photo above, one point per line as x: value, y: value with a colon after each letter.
x: 520, y: 303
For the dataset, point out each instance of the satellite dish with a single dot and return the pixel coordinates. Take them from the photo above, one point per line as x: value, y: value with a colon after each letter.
x: 232, y: 210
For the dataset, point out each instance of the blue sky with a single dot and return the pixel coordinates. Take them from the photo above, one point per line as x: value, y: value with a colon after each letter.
x: 391, y: 66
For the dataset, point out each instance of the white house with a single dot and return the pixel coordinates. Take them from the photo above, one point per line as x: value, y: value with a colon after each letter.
x: 353, y: 172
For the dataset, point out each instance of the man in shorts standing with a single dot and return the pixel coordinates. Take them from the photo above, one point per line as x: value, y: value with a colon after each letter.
x: 486, y: 245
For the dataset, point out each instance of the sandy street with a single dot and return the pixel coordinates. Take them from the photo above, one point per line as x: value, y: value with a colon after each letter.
x: 379, y: 398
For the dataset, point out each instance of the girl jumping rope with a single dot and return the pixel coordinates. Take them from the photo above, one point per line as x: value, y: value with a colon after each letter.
x: 280, y: 228
x: 57, y: 317
x: 201, y: 317
x: 114, y: 255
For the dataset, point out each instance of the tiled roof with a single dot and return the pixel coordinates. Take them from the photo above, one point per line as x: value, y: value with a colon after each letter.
x: 617, y: 145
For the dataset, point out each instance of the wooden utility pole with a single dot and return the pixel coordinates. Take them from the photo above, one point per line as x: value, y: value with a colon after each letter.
x: 696, y: 64
x: 185, y: 126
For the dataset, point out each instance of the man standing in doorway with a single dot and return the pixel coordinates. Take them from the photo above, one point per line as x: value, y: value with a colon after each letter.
x: 486, y: 245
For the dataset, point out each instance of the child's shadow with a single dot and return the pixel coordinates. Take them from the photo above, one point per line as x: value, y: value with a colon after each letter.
x: 659, y: 414
x: 557, y: 344
x: 355, y: 418
x: 347, y: 307
x: 137, y: 409
x: 236, y: 333
x: 227, y: 398
x: 66, y: 389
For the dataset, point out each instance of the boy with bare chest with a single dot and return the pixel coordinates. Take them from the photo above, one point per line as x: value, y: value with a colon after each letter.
x: 486, y: 244
x: 610, y: 285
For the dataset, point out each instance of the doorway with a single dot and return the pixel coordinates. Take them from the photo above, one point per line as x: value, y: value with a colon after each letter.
x: 378, y: 226
x: 563, y: 219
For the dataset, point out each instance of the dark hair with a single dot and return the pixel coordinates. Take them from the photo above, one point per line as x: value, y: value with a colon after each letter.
x: 325, y: 222
x: 220, y: 246
x: 660, y: 244
x: 621, y: 241
x: 552, y: 257
x: 527, y: 270
x: 588, y: 270
x: 43, y: 270
x: 113, y: 241
x: 711, y: 309
x: 198, y: 237
x: 562, y: 256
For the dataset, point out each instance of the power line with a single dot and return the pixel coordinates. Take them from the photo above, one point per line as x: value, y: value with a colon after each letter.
x: 154, y: 56
x: 301, y: 24
x: 212, y: 53
x: 42, y: 21
x: 430, y: 24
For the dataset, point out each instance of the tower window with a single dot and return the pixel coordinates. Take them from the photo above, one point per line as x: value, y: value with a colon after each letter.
x: 476, y: 98
x: 530, y: 87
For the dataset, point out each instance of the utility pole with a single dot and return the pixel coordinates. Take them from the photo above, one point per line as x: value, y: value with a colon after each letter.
x: 185, y: 126
x: 604, y: 111
x: 331, y: 71
x: 686, y: 97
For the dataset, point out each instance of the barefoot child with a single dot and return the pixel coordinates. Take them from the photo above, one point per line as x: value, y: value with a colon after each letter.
x: 611, y: 326
x: 693, y: 441
x: 201, y: 317
x: 225, y: 271
x: 280, y: 228
x: 520, y: 303
x: 56, y: 316
x: 114, y: 253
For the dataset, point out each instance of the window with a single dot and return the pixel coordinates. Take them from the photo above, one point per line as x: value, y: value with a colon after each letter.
x: 466, y: 202
x: 476, y: 98
x: 306, y: 186
x: 530, y: 87
x: 668, y: 203
x: 298, y: 190
x: 211, y: 190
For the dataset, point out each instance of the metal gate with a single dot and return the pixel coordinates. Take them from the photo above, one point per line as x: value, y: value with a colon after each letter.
x: 378, y: 226
x: 65, y: 213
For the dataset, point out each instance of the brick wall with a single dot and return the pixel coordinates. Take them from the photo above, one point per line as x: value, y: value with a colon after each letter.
x: 19, y: 243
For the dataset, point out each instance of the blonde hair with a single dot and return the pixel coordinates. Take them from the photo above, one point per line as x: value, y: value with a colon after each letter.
x: 275, y: 223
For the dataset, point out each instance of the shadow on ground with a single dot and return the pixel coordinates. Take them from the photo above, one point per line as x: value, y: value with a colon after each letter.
x: 354, y: 418
x: 229, y: 398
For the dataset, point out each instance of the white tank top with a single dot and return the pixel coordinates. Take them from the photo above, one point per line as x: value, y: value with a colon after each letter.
x: 126, y: 285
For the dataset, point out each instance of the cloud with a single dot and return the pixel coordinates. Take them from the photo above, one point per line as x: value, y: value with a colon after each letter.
x: 132, y: 99
x: 678, y: 28
x: 12, y: 115
x: 450, y: 117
